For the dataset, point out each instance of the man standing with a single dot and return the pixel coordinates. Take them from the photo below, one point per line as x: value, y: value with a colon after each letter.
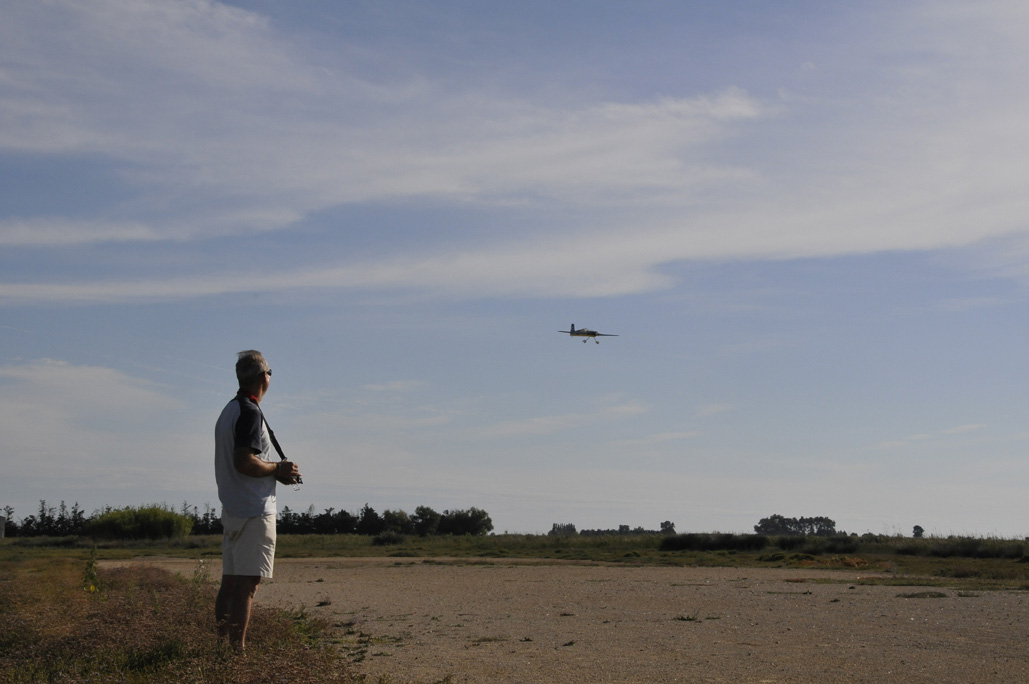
x: 246, y: 471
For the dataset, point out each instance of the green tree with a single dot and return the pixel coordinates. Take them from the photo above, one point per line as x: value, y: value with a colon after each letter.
x: 397, y: 521
x: 777, y: 525
x: 474, y: 521
x: 369, y: 522
x: 426, y: 521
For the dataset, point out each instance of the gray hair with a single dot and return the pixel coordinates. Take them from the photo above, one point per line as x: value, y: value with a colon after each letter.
x: 249, y: 367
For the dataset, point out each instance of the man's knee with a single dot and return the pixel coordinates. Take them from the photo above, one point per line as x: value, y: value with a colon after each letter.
x: 246, y: 584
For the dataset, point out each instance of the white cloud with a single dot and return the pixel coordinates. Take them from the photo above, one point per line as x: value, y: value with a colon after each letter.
x: 714, y: 409
x: 203, y: 98
x: 961, y: 429
x: 529, y: 427
x: 215, y: 105
x: 76, y: 396
x: 395, y: 386
x: 961, y: 304
x: 933, y: 436
x: 74, y: 430
x: 126, y: 78
x: 536, y: 426
x: 60, y: 231
x: 660, y: 438
x: 611, y: 153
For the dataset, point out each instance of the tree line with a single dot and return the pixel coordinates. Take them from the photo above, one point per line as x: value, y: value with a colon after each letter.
x: 778, y: 525
x: 50, y: 521
x: 569, y: 530
x: 62, y: 521
x: 424, y: 522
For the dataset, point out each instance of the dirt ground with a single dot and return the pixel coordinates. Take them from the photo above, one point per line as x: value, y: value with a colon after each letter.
x: 555, y: 623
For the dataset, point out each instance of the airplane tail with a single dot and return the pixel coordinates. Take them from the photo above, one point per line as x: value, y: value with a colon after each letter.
x: 571, y: 328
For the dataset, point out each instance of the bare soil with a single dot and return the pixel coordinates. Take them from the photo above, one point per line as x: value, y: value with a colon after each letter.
x: 505, y: 621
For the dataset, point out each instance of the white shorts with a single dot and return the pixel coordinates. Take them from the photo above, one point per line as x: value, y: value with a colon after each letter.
x: 248, y: 546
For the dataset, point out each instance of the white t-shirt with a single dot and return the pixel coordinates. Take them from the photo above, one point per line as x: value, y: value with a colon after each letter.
x: 242, y: 423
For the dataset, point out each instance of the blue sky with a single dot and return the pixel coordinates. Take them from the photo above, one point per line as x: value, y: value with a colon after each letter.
x: 807, y: 223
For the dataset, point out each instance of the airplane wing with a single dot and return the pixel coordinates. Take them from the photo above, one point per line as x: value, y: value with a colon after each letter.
x: 585, y: 332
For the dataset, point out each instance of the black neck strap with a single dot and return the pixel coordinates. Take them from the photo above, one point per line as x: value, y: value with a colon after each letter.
x: 271, y: 433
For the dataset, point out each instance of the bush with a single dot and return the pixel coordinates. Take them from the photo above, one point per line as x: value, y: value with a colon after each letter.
x: 842, y: 544
x: 961, y: 547
x: 975, y: 547
x: 149, y: 522
x: 789, y: 543
x: 714, y: 542
x: 388, y: 538
x: 911, y: 548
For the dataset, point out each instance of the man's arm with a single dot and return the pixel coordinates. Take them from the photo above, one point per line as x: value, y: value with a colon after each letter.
x: 246, y: 461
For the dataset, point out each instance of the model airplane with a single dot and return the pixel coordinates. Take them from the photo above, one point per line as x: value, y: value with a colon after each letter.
x: 585, y: 332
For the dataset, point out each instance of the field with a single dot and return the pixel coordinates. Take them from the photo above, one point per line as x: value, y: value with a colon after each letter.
x: 514, y: 608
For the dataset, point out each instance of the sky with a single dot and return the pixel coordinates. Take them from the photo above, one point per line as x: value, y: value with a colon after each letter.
x: 807, y: 223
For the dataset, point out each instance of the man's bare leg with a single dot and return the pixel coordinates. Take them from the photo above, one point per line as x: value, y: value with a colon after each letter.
x: 222, y: 604
x: 232, y: 607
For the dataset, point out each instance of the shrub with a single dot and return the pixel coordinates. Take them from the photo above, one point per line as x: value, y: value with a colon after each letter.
x: 975, y: 547
x: 911, y: 548
x: 961, y: 547
x: 842, y: 544
x: 388, y: 538
x: 149, y: 522
x: 714, y: 542
x: 788, y: 543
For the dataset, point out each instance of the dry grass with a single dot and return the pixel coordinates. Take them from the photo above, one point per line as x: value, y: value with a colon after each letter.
x: 63, y: 622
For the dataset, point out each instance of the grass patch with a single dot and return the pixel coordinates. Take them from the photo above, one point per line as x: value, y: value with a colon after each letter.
x: 994, y: 563
x: 69, y: 621
x: 923, y: 595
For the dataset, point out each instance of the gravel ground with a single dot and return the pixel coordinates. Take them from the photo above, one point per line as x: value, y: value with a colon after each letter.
x: 555, y: 623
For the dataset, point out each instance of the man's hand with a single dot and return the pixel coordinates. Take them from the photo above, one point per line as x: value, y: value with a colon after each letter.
x: 287, y: 473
